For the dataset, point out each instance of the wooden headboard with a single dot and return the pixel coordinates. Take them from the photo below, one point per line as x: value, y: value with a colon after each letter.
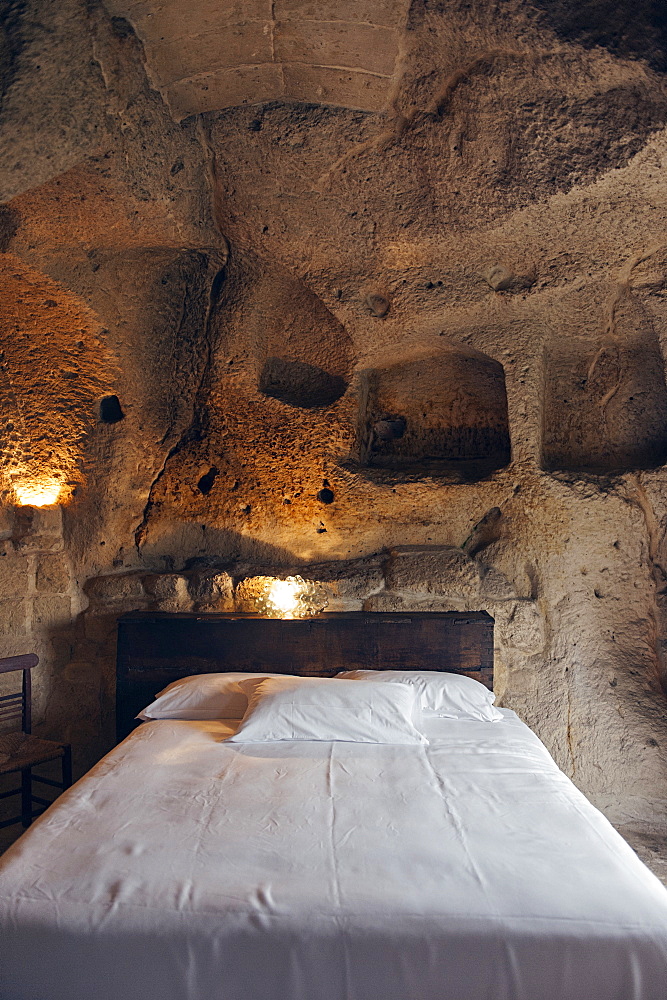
x: 156, y: 648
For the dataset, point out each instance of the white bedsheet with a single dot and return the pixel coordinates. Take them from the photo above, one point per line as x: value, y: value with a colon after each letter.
x: 184, y: 868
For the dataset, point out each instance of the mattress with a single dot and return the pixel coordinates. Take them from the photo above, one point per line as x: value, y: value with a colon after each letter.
x: 185, y: 868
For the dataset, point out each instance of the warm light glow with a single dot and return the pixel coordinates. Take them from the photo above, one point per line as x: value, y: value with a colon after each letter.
x: 407, y: 253
x: 38, y: 492
x: 284, y: 596
x: 292, y: 597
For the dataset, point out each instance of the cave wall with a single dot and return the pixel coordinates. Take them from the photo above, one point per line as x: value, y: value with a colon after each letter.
x: 413, y: 349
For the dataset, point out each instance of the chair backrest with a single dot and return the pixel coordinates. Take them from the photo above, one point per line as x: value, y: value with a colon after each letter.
x: 18, y: 706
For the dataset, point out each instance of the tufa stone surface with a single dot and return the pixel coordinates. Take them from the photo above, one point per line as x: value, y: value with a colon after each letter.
x: 14, y: 572
x: 520, y: 625
x: 53, y: 574
x: 115, y: 589
x: 211, y: 590
x: 168, y: 592
x: 446, y: 572
x: 217, y: 56
x: 51, y: 612
x: 495, y: 586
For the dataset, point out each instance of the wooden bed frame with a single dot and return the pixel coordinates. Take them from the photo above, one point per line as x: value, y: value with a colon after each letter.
x: 156, y: 648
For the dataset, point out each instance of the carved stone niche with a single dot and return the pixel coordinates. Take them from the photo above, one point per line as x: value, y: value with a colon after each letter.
x: 302, y: 352
x: 605, y: 406
x: 442, y: 415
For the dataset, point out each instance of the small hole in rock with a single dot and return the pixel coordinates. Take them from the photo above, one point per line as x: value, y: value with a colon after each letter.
x: 110, y: 410
x: 389, y: 428
x: 326, y: 496
x: 205, y: 484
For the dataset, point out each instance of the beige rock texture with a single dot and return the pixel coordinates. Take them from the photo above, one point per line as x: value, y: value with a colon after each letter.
x: 373, y: 293
x: 224, y: 53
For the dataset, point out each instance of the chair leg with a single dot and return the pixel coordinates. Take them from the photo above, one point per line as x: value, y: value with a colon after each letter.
x: 26, y: 797
x: 67, y: 767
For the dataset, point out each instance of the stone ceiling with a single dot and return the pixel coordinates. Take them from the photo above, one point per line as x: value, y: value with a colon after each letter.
x: 214, y: 54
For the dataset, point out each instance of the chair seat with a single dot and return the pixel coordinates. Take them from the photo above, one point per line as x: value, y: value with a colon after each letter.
x: 19, y: 750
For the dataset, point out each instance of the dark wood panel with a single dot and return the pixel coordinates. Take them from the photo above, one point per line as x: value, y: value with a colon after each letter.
x: 155, y: 649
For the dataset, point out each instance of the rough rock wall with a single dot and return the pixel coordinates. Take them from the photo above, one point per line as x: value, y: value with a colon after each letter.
x: 219, y: 54
x: 333, y: 334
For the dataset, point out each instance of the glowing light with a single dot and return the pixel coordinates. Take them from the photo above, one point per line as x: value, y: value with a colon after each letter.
x: 38, y: 492
x: 292, y: 597
x: 284, y: 596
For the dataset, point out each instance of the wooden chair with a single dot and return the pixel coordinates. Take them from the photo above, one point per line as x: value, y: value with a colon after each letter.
x: 20, y: 751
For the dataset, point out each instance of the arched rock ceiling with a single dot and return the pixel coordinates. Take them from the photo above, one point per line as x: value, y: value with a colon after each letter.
x: 212, y: 54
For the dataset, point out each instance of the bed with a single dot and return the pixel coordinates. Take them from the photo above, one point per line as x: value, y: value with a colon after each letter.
x: 186, y: 867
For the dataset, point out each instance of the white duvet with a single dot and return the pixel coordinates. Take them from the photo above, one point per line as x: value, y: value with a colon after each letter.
x: 185, y: 868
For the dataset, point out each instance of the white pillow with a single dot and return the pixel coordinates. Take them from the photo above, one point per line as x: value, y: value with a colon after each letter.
x: 323, y: 708
x: 201, y: 696
x: 450, y: 696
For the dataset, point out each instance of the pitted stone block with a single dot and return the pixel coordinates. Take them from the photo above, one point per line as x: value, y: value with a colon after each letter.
x: 14, y: 572
x: 496, y: 586
x: 351, y: 581
x: 13, y: 623
x: 443, y: 570
x: 53, y: 574
x: 6, y: 522
x: 38, y: 529
x: 390, y: 601
x: 519, y: 625
x: 168, y: 591
x: 123, y: 588
x: 211, y: 590
x: 51, y: 612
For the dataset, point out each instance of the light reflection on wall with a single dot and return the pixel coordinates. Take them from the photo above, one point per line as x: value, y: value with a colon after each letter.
x: 38, y: 492
x: 54, y: 367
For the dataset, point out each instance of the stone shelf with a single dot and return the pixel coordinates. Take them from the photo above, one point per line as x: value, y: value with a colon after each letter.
x: 605, y: 407
x: 443, y: 416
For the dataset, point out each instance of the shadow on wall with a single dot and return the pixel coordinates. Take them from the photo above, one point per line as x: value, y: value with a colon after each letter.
x: 605, y: 402
x: 300, y: 384
x: 302, y: 355
x: 169, y: 302
x: 443, y: 415
x: 635, y: 29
